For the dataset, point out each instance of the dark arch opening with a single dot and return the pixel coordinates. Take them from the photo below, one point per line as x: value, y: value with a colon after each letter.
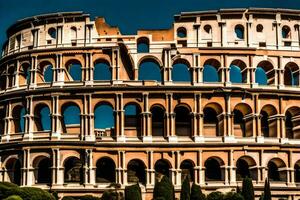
x: 158, y: 118
x: 273, y: 172
x: 44, y: 173
x: 213, y: 170
x: 211, y: 124
x: 143, y: 45
x: 106, y: 171
x: 73, y: 172
x: 48, y: 73
x: 297, y: 172
x: 133, y: 120
x: 182, y: 121
x: 242, y: 170
x: 104, y: 116
x: 162, y: 167
x: 265, y: 73
x: 291, y: 75
x: 211, y: 71
x: 19, y: 113
x: 286, y: 32
x: 71, y: 117
x: 14, y: 171
x: 238, y: 120
x: 289, y: 125
x: 187, y: 170
x: 136, y: 172
x: 42, y: 118
x: 264, y: 123
x: 239, y: 31
x: 102, y: 71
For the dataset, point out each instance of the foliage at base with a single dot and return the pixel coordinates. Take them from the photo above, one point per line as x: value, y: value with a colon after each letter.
x: 13, y: 197
x: 233, y: 196
x: 185, y: 190
x: 196, y: 193
x: 133, y: 192
x: 247, y: 190
x: 215, y: 196
x: 164, y: 190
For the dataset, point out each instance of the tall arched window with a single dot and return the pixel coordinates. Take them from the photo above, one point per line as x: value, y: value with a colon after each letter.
x: 42, y: 118
x: 180, y: 72
x: 136, y: 172
x: 71, y: 114
x: 24, y: 74
x: 210, y: 71
x: 73, y: 31
x: 213, y: 171
x: 292, y: 123
x: 265, y: 73
x: 104, y: 116
x: 2, y: 81
x: 48, y: 73
x: 286, y: 32
x: 11, y: 76
x: 158, y: 118
x: 132, y: 120
x: 163, y: 166
x: 73, y: 170
x: 105, y: 171
x: 212, y: 123
x: 21, y: 120
x: 291, y: 74
x: 242, y: 123
x: 268, y: 122
x: 297, y: 172
x: 245, y: 167
x: 187, y: 170
x: 143, y: 45
x: 149, y: 70
x: 2, y: 116
x: 182, y: 121
x: 102, y: 71
x: 52, y: 33
x: 239, y: 31
x: 238, y: 74
x: 276, y: 170
x: 74, y: 68
x: 13, y: 169
x: 43, y: 171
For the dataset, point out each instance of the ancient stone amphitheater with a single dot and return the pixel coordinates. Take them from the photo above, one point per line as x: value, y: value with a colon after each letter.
x: 216, y: 98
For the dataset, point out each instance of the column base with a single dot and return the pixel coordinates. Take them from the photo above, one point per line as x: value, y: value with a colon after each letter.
x: 5, y: 138
x: 284, y: 140
x: 260, y: 139
x: 172, y: 139
x: 254, y: 85
x: 198, y: 139
x: 147, y: 138
x: 89, y: 83
x: 90, y: 138
x: 28, y: 137
x: 58, y: 83
x: 55, y: 136
x: 114, y: 82
x: 227, y: 84
x: 229, y: 139
x: 121, y: 138
x: 280, y: 86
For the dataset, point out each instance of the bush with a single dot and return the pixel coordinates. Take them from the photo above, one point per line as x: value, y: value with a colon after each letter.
x: 89, y: 197
x: 215, y: 196
x: 13, y: 197
x: 110, y: 195
x: 185, y: 190
x: 233, y: 196
x: 4, y: 186
x: 164, y: 189
x: 247, y: 190
x: 133, y: 192
x: 29, y: 193
x: 68, y: 198
x: 267, y: 191
x: 196, y: 193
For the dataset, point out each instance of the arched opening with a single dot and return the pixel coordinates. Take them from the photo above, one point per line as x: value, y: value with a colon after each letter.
x: 158, y: 118
x: 180, y: 71
x: 238, y: 72
x: 102, y: 71
x: 277, y: 170
x: 297, y: 172
x: 187, y: 170
x: 48, y: 73
x: 241, y: 120
x: 207, y: 32
x: 268, y: 122
x: 24, y: 78
x: 2, y: 81
x: 286, y: 32
x: 291, y: 74
x: 246, y: 167
x: 162, y: 167
x: 2, y: 116
x: 106, y: 171
x: 104, y: 118
x: 13, y: 167
x: 181, y: 32
x: 43, y: 170
x: 73, y: 34
x: 132, y: 120
x: 71, y: 118
x: 213, y: 121
x: 213, y: 171
x: 136, y: 172
x: 211, y: 71
x: 52, y: 33
x: 183, y: 121
x: 292, y: 122
x: 74, y: 69
x: 149, y: 70
x: 73, y: 171
x: 19, y: 113
x: 265, y: 73
x: 42, y: 118
x: 11, y: 76
x: 143, y: 45
x: 239, y: 31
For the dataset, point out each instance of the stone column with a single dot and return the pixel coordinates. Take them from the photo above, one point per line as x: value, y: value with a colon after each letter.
x: 87, y: 125
x: 170, y: 115
x: 167, y: 69
x: 17, y: 74
x: 33, y: 71
x: 57, y: 169
x: 56, y: 126
x: 177, y: 170
x: 121, y: 169
x: 8, y: 122
x: 27, y: 170
x: 232, y: 168
x: 146, y: 119
x: 58, y: 71
x: 150, y: 171
x: 119, y: 118
x: 88, y: 69
x: 89, y: 170
x: 29, y: 119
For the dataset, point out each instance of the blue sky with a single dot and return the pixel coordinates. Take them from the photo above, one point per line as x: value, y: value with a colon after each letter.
x: 129, y: 15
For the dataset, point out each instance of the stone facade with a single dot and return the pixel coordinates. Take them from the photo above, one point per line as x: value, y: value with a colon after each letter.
x: 217, y: 132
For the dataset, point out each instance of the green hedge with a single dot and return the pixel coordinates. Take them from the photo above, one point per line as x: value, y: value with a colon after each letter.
x: 29, y: 193
x: 196, y: 193
x: 133, y: 192
x: 233, y: 196
x: 68, y: 198
x: 164, y: 189
x: 4, y: 186
x: 13, y: 197
x: 215, y: 196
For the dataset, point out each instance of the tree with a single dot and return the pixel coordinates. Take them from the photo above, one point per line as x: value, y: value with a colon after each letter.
x: 215, y: 196
x: 247, y: 190
x: 267, y: 191
x: 133, y: 192
x: 196, y: 193
x: 163, y: 189
x: 233, y: 196
x: 185, y: 190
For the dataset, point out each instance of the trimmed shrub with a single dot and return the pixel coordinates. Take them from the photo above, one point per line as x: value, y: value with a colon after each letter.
x: 133, y: 192
x: 164, y: 189
x: 215, y: 196
x: 233, y: 196
x: 4, y: 186
x: 185, y: 190
x: 110, y: 195
x: 68, y: 198
x: 29, y: 193
x: 247, y: 190
x: 267, y: 191
x: 13, y: 197
x: 196, y: 193
x: 89, y: 197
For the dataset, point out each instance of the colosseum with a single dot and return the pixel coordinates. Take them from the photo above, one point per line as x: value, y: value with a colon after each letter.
x: 214, y: 97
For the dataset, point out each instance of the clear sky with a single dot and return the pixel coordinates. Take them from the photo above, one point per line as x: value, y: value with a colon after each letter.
x: 129, y: 15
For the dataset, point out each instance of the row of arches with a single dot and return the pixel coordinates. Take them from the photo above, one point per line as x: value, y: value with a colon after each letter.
x: 150, y: 69
x: 213, y: 119
x: 136, y: 169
